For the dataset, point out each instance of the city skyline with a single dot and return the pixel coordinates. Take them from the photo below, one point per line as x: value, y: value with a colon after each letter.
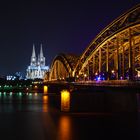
x: 64, y: 27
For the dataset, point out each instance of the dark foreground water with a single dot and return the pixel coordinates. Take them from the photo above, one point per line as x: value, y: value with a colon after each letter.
x: 30, y: 117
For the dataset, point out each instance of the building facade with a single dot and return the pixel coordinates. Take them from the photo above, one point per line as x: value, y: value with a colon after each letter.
x: 37, y: 67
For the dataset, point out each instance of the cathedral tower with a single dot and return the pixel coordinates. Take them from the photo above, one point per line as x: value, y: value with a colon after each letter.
x: 42, y: 58
x: 37, y: 68
x: 33, y: 57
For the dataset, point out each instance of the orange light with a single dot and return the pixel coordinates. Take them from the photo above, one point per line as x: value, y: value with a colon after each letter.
x: 96, y: 73
x: 65, y: 129
x: 45, y: 104
x: 45, y: 89
x: 112, y: 71
x: 65, y: 100
x: 45, y: 99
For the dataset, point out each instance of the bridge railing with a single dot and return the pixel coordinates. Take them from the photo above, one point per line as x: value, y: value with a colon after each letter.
x: 110, y: 83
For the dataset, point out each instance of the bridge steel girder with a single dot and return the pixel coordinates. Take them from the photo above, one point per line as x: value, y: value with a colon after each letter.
x: 60, y: 68
x: 115, y: 48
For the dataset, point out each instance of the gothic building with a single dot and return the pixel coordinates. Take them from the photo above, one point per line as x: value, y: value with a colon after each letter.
x: 37, y: 68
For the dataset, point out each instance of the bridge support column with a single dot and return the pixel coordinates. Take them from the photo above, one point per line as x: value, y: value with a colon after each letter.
x: 100, y: 60
x: 88, y: 71
x: 93, y: 68
x: 55, y: 74
x: 117, y: 59
x: 107, y: 63
x: 123, y: 60
x: 93, y: 61
x: 131, y: 71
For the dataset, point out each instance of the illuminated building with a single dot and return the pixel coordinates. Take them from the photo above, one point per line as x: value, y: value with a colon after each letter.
x: 37, y: 68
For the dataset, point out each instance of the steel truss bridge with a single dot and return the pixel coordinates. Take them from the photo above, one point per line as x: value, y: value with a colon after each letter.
x: 113, y: 54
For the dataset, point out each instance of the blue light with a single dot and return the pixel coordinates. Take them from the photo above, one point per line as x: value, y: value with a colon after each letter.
x: 99, y: 78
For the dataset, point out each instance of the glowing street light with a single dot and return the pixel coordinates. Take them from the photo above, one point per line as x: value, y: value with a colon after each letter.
x: 113, y: 71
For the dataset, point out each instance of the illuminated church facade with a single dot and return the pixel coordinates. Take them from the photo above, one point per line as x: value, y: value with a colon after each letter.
x: 37, y: 68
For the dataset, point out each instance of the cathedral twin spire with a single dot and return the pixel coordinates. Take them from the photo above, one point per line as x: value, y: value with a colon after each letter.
x: 40, y: 61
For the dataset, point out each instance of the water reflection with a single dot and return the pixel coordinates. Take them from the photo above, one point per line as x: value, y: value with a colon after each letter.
x: 20, y: 97
x: 65, y: 100
x: 23, y: 102
x: 64, y: 128
x: 45, y: 104
x: 11, y: 93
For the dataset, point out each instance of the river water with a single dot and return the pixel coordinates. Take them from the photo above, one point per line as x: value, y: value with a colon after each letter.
x: 31, y: 117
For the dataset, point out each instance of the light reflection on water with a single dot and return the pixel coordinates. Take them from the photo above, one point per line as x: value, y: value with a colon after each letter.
x: 45, y: 104
x: 65, y: 100
x: 37, y: 103
x: 37, y: 122
x: 64, y: 128
x: 10, y: 102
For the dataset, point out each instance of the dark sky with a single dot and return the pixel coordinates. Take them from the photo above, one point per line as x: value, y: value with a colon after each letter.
x: 61, y: 26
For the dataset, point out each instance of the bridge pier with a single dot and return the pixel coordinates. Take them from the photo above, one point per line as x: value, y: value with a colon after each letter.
x: 98, y: 101
x: 85, y: 98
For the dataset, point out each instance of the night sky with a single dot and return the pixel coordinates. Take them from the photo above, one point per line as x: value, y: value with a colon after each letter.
x: 61, y: 26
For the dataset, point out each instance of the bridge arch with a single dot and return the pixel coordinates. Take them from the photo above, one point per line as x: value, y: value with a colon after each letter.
x: 115, y: 52
x: 62, y: 67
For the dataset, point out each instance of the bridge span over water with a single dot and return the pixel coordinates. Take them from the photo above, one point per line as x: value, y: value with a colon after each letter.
x: 114, y: 54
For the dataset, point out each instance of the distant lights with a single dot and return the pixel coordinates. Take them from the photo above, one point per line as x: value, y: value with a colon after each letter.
x: 99, y: 78
x: 10, y: 77
x: 96, y: 73
x: 113, y: 71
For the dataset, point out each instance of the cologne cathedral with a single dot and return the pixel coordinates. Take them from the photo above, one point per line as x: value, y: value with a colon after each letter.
x: 37, y: 68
